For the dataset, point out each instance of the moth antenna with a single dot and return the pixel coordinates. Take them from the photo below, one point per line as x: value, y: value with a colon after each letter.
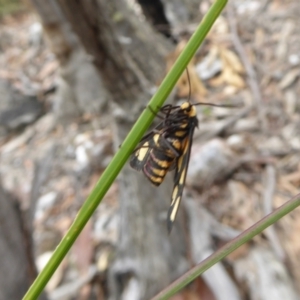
x: 204, y: 103
x: 217, y: 105
x: 189, y: 81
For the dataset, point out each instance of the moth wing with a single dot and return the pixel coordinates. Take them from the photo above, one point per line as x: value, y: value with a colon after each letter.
x: 142, y: 152
x: 140, y: 155
x: 179, y: 180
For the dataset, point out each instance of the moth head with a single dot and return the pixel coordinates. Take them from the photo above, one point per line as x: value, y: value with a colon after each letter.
x: 188, y: 109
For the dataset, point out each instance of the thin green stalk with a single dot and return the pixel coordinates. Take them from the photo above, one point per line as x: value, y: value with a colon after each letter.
x: 244, y: 237
x: 120, y: 158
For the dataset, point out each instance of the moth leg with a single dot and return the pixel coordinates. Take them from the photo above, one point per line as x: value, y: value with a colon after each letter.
x: 155, y: 114
x: 169, y: 146
x: 166, y: 113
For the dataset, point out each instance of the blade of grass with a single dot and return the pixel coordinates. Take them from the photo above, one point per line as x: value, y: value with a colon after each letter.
x: 120, y: 158
x: 241, y: 239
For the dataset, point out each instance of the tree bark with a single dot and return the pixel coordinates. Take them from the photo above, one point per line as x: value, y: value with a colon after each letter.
x: 154, y: 12
x: 17, y: 270
x: 79, y: 86
x: 181, y: 12
x: 129, y: 56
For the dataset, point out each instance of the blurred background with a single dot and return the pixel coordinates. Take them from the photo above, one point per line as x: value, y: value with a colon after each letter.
x: 74, y: 77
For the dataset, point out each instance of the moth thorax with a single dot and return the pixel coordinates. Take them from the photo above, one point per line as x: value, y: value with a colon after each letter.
x: 175, y: 143
x: 156, y: 138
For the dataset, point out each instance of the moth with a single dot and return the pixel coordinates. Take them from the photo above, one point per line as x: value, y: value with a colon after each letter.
x: 166, y: 147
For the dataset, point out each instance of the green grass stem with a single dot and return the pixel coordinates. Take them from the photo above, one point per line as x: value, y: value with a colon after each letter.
x: 221, y: 253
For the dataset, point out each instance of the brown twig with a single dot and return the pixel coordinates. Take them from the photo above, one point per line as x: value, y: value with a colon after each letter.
x: 252, y: 78
x: 268, y: 207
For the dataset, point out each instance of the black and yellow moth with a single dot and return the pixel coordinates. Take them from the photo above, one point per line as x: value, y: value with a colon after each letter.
x: 168, y: 146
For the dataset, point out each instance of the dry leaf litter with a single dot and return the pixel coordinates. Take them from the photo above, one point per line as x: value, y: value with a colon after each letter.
x: 244, y: 163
